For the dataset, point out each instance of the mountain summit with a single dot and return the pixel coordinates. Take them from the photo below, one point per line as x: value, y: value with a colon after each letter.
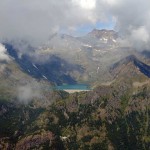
x: 103, y: 33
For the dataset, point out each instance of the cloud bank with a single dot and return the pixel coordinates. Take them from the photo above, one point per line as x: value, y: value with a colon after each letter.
x: 35, y: 21
x: 132, y: 18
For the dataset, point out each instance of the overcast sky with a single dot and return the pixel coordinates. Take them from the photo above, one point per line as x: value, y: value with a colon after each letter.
x: 35, y: 20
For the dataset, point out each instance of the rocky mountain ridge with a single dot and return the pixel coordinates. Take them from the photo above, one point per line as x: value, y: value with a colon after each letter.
x: 84, y: 62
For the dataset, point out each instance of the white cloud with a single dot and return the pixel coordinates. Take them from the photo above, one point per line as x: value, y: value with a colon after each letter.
x: 111, y: 2
x: 3, y: 53
x: 86, y: 4
x: 132, y: 20
x: 34, y: 21
x: 140, y: 34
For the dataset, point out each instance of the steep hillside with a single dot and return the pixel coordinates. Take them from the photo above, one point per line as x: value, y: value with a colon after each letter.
x: 130, y: 67
x: 18, y: 86
x: 109, y: 117
x: 22, y: 100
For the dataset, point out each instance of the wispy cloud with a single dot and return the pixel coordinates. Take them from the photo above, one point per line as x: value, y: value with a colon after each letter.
x: 28, y: 92
x: 34, y: 21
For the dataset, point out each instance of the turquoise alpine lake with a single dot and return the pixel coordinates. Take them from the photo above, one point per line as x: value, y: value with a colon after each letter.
x: 73, y: 87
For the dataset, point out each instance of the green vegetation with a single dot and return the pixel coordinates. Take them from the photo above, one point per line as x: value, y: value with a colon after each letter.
x: 109, y: 117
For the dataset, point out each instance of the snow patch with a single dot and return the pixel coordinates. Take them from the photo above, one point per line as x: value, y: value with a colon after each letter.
x: 104, y: 40
x: 101, y: 51
x: 44, y: 77
x: 114, y: 40
x: 35, y: 66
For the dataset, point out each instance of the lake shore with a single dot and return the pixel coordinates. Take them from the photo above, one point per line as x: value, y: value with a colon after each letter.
x: 74, y: 90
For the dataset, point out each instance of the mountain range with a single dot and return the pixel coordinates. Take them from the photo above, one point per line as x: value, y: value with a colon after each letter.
x: 68, y: 60
x: 113, y: 115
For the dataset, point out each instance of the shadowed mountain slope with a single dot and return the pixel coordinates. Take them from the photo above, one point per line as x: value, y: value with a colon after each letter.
x: 54, y: 68
x: 130, y: 66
